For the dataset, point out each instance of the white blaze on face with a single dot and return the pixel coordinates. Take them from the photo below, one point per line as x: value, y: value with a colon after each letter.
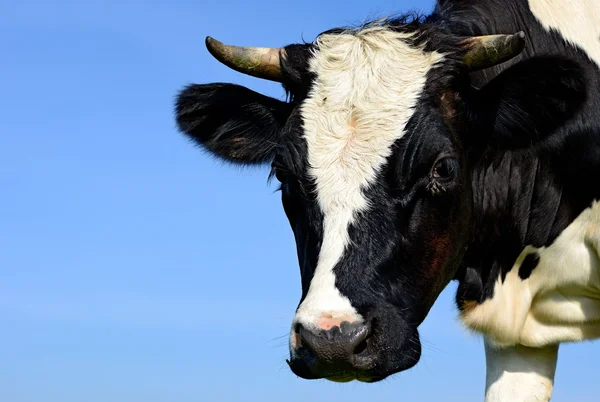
x: 366, y: 87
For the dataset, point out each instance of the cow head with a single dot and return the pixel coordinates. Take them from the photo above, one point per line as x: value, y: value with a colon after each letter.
x: 373, y: 152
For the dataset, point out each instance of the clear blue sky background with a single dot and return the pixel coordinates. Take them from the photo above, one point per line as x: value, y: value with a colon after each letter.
x: 134, y: 268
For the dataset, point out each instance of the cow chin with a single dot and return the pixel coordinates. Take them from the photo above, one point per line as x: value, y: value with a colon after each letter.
x: 387, y: 350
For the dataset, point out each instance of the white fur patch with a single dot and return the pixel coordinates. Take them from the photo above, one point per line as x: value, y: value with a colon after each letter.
x: 559, y: 302
x: 367, y: 84
x: 578, y: 21
x: 519, y: 374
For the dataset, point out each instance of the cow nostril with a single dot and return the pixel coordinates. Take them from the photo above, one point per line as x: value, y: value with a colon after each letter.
x: 300, y: 334
x: 362, y: 346
x: 363, y: 339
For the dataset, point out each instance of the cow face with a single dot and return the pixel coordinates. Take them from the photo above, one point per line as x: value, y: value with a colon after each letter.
x: 378, y: 202
x: 373, y: 159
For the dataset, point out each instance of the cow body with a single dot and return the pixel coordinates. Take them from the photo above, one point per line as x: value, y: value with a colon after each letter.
x: 532, y: 278
x: 550, y: 211
x: 400, y: 171
x: 551, y: 294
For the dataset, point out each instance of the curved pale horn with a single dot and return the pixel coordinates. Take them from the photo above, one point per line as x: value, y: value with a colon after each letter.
x: 260, y: 62
x: 490, y: 50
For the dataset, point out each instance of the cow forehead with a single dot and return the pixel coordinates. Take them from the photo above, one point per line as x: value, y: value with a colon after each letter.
x: 366, y: 86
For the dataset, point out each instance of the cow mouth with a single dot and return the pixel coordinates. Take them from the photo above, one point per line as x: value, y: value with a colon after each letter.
x: 302, y: 371
x: 387, y: 350
x: 359, y: 378
x: 370, y: 369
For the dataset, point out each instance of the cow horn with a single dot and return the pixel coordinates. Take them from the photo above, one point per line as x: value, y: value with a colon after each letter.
x: 487, y: 51
x: 258, y: 62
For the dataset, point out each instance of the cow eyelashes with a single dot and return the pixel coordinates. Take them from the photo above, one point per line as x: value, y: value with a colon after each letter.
x: 279, y: 171
x: 285, y: 177
x: 445, y: 169
x: 442, y: 175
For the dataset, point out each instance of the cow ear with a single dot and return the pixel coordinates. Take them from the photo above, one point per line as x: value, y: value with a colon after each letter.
x: 528, y: 101
x: 231, y: 121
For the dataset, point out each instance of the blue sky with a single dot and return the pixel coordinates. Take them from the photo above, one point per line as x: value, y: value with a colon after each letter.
x: 134, y: 268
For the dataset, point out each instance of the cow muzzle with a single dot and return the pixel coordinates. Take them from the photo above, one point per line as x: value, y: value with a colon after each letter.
x: 350, y: 351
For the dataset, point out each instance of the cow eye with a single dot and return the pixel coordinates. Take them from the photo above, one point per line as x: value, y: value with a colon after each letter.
x: 280, y: 171
x: 445, y: 169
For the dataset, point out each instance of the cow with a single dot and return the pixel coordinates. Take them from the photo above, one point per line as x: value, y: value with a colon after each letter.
x: 416, y: 150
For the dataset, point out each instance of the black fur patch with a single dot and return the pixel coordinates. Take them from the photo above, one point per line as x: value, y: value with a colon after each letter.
x: 528, y: 265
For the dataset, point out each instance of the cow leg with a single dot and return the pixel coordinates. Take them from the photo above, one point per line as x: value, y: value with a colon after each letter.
x: 519, y: 373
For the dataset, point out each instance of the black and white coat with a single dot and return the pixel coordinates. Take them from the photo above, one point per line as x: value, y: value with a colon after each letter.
x: 400, y: 171
x: 532, y: 274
